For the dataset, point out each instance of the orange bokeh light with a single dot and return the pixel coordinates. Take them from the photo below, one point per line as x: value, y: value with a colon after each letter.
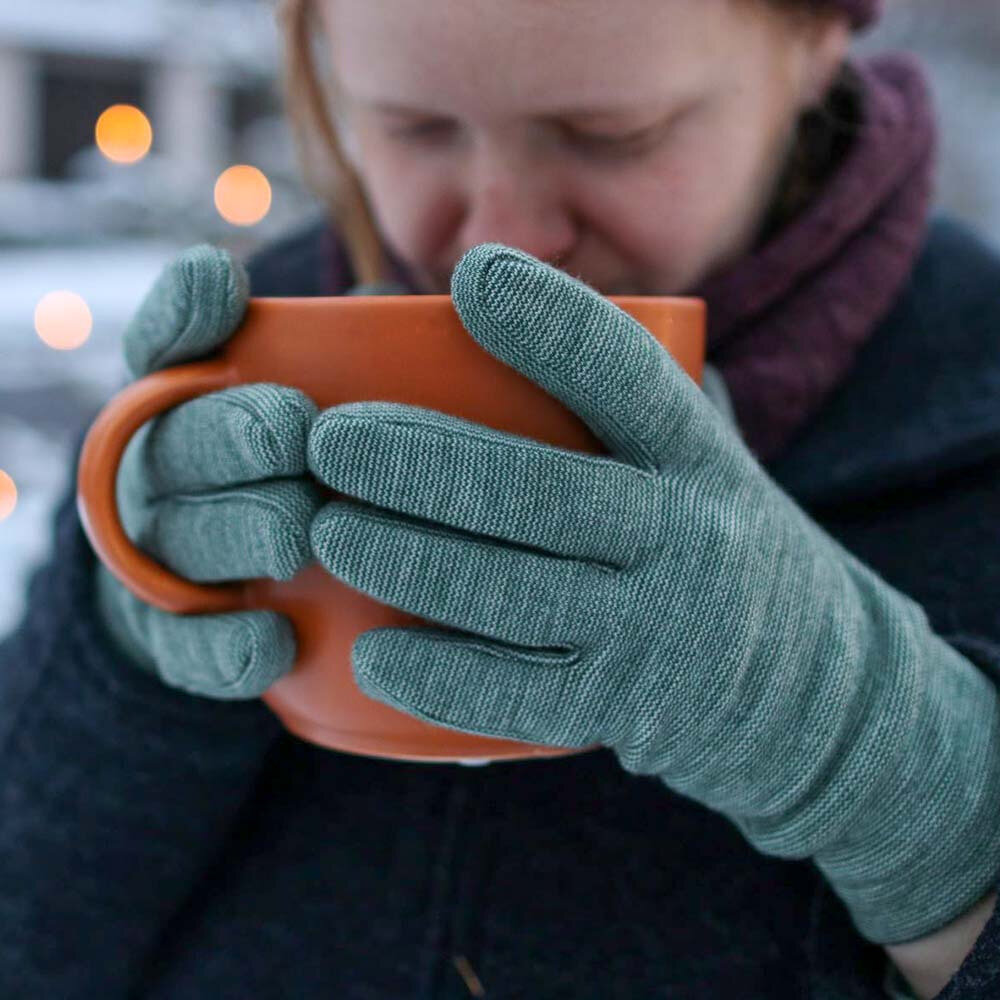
x: 8, y: 495
x: 123, y: 134
x: 63, y: 320
x: 242, y: 195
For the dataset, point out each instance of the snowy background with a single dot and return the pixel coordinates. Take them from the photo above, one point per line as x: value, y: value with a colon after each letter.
x: 69, y: 220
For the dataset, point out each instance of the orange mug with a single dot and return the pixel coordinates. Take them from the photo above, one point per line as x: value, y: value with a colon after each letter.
x: 403, y: 348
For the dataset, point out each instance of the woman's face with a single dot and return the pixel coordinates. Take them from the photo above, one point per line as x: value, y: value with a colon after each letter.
x: 633, y: 143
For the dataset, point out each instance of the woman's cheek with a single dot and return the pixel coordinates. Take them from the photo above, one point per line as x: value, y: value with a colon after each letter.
x: 650, y: 216
x: 411, y: 198
x: 421, y: 222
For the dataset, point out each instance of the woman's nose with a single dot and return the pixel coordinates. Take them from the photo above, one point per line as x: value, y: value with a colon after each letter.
x: 519, y: 212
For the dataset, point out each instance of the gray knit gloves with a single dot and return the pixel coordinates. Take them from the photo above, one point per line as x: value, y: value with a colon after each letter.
x: 215, y: 489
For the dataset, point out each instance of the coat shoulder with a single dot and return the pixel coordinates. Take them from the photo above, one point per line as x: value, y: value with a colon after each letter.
x: 923, y: 396
x: 305, y: 262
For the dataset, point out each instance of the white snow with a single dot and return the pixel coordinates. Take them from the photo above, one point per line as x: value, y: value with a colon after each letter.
x: 39, y: 467
x: 228, y: 31
x: 113, y: 279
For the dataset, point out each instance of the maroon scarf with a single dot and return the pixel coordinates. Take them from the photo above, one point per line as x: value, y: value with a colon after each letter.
x: 786, y: 321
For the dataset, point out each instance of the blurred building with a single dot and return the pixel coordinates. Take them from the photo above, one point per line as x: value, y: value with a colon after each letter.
x: 960, y: 45
x: 203, y: 72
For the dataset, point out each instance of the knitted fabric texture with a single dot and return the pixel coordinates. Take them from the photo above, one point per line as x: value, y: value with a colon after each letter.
x: 215, y: 489
x: 671, y: 603
x: 786, y: 322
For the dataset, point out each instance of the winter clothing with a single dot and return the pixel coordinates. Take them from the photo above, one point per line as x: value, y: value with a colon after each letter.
x: 216, y: 489
x: 155, y: 844
x: 668, y: 602
x: 819, y: 286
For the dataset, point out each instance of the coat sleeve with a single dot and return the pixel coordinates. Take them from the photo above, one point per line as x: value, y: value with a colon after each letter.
x: 115, y: 790
x: 939, y: 542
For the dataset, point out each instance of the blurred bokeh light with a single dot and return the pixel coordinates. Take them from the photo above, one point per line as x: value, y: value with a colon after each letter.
x: 123, y: 134
x: 8, y: 495
x: 242, y: 195
x: 63, y: 320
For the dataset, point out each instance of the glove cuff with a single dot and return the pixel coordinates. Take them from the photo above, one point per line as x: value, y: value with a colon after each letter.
x: 925, y: 846
x: 901, y: 810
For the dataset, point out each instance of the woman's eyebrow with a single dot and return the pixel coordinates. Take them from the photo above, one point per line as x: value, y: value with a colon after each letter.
x: 566, y: 114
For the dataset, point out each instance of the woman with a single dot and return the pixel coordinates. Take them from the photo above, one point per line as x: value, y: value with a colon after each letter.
x: 775, y: 613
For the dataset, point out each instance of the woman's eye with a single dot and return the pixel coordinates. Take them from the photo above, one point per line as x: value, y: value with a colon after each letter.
x: 422, y: 130
x: 595, y: 144
x: 639, y: 142
x: 624, y: 144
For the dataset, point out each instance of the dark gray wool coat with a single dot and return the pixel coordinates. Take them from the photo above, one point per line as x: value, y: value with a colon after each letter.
x: 154, y: 844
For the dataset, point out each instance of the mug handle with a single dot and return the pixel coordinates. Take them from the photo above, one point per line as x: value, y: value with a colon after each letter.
x: 100, y: 456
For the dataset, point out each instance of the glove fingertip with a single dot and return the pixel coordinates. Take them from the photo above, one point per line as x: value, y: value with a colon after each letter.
x: 194, y: 306
x: 262, y: 651
x: 235, y: 656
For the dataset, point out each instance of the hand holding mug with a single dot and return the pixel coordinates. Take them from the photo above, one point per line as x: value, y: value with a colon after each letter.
x: 216, y: 489
x: 410, y: 350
